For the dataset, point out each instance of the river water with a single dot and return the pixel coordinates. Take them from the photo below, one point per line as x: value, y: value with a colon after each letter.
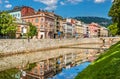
x: 70, y: 73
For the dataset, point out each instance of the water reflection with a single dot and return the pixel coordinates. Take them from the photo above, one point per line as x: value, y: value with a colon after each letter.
x: 65, y: 66
x: 71, y: 72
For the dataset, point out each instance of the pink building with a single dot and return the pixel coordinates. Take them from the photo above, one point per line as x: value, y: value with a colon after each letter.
x: 94, y: 29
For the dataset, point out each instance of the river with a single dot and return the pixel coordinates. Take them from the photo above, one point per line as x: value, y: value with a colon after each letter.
x: 70, y: 73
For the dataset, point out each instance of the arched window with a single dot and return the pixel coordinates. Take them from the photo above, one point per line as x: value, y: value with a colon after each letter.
x: 42, y: 19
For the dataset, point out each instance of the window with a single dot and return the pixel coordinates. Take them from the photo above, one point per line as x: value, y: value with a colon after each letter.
x: 15, y: 15
x: 18, y: 15
x: 36, y: 20
x: 28, y: 20
x: 42, y: 20
x: 35, y: 71
x: 41, y: 26
x: 32, y: 20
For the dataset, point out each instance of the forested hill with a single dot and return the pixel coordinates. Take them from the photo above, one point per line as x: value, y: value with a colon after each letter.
x: 102, y: 21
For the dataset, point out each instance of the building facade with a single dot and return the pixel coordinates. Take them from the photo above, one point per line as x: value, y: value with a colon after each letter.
x: 58, y: 26
x: 103, y: 31
x: 94, y: 30
x: 79, y: 28
x: 22, y: 28
x: 17, y: 12
x: 44, y: 22
x: 69, y: 28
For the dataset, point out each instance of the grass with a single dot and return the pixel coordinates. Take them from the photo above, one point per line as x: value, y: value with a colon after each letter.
x: 107, y: 66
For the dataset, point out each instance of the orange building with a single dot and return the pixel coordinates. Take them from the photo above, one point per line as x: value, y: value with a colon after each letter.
x: 44, y: 22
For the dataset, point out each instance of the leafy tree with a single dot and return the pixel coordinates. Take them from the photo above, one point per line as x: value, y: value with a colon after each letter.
x: 32, y: 30
x: 115, y: 13
x: 113, y: 29
x: 7, y: 25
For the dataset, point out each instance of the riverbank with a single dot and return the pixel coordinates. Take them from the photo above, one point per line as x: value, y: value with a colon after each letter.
x: 107, y: 66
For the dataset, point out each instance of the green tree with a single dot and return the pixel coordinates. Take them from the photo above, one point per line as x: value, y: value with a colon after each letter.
x: 7, y: 25
x: 32, y: 30
x: 115, y: 13
x: 113, y: 29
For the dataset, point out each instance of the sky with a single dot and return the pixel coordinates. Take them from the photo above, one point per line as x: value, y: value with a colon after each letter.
x: 65, y: 8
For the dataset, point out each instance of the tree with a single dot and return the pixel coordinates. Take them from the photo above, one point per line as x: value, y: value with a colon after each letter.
x: 32, y: 30
x: 115, y: 13
x: 7, y: 25
x: 113, y: 29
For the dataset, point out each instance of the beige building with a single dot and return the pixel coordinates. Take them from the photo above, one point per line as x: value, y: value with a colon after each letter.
x: 79, y: 28
x: 103, y: 31
x: 22, y: 28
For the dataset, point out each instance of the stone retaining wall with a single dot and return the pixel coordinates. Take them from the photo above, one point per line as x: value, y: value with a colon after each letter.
x: 21, y: 45
x: 18, y: 45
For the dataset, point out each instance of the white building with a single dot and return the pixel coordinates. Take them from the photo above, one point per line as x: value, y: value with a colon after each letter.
x: 16, y: 14
x: 68, y: 29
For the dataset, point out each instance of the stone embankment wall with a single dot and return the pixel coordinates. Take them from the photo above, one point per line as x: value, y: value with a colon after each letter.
x: 8, y: 46
x: 22, y: 45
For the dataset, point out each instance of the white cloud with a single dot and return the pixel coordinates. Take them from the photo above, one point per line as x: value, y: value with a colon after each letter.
x: 62, y: 3
x: 50, y: 7
x: 99, y: 1
x: 74, y: 1
x: 8, y: 6
x: 0, y: 1
x: 70, y: 1
x: 6, y: 1
x: 51, y: 4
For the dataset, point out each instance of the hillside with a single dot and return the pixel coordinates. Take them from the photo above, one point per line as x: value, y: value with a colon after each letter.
x: 102, y: 21
x: 107, y: 66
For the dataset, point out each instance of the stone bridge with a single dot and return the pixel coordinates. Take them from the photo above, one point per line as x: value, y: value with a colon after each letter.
x: 16, y: 52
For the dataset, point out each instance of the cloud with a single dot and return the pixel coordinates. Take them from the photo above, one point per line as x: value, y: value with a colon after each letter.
x: 70, y: 1
x: 51, y: 4
x: 51, y: 7
x: 6, y: 1
x: 8, y: 6
x: 99, y: 1
x: 0, y: 1
x: 62, y: 3
x: 74, y: 1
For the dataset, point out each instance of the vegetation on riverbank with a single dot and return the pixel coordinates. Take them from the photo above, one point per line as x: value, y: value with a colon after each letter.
x: 9, y: 74
x: 107, y: 66
x: 15, y: 73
